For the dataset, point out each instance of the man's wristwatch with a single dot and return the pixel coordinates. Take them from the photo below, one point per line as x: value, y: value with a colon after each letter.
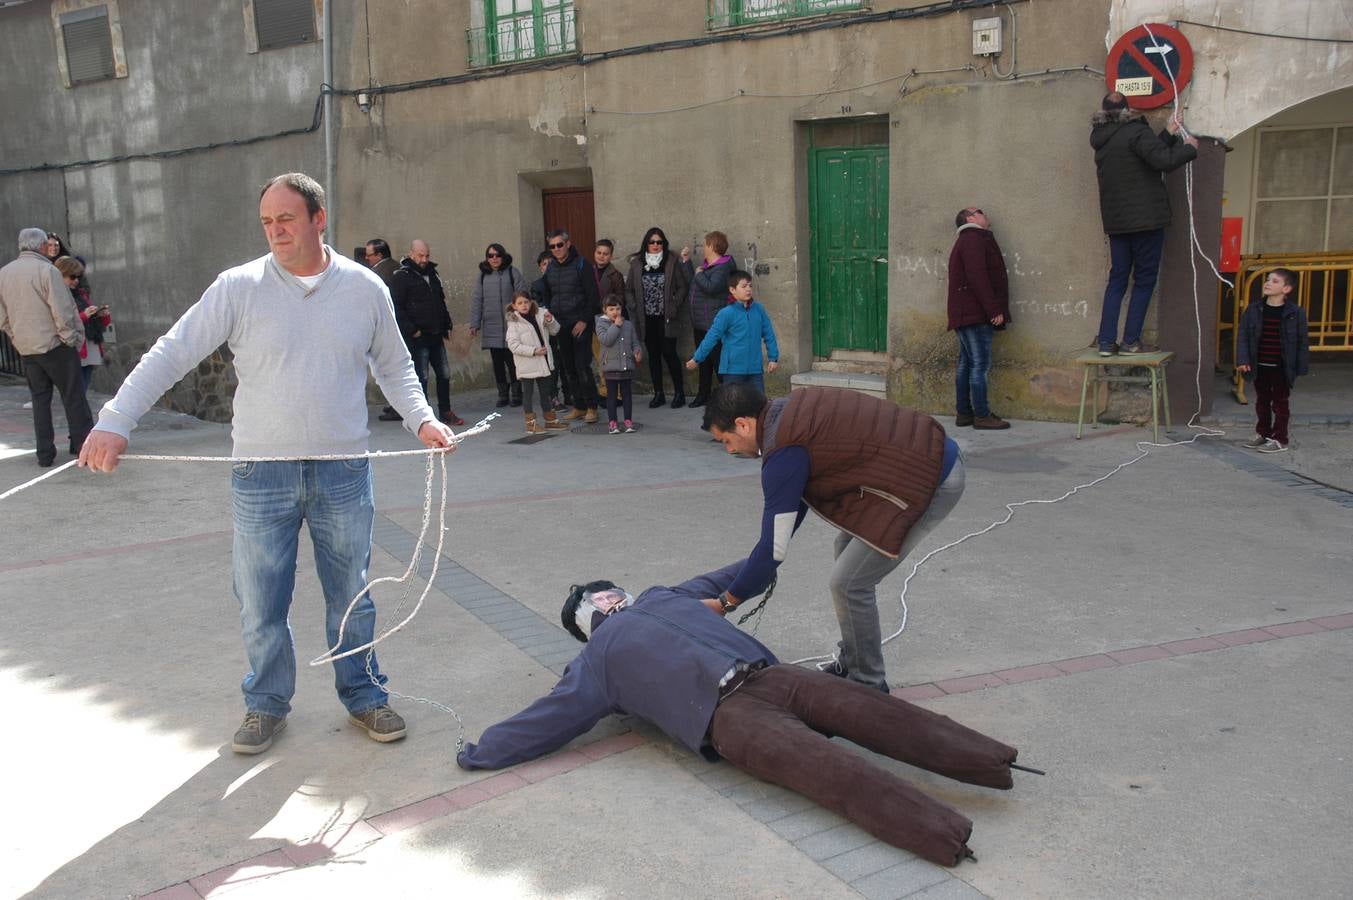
x: 726, y: 603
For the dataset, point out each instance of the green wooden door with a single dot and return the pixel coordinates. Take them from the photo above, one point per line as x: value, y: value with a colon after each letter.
x: 848, y: 231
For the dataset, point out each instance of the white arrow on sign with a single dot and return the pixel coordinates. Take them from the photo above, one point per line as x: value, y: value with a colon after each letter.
x: 1162, y: 49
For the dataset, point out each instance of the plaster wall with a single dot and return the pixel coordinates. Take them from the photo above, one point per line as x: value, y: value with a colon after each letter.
x: 712, y: 136
x: 154, y: 232
x: 1041, y: 197
x: 1240, y: 80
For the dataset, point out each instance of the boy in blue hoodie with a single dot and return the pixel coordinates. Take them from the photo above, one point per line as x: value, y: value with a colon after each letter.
x: 741, y: 326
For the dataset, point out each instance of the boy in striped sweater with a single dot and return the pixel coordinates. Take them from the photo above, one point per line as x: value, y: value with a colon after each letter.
x: 1273, y: 349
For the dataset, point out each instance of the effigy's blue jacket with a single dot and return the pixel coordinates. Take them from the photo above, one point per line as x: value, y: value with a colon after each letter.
x: 661, y: 659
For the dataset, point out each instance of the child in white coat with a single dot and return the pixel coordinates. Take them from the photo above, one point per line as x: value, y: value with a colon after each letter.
x: 529, y: 328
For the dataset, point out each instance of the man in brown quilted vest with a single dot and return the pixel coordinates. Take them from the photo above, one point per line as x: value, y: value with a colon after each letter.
x: 883, y: 474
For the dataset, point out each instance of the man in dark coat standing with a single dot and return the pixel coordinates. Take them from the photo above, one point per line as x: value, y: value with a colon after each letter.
x: 569, y: 291
x: 1130, y: 160
x: 979, y: 303
x: 425, y: 322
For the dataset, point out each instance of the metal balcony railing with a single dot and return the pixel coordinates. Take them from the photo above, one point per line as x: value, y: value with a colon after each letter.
x: 1325, y: 291
x: 729, y: 13
x: 523, y: 37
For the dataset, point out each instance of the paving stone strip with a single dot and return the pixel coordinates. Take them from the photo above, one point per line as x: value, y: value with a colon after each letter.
x: 1260, y: 467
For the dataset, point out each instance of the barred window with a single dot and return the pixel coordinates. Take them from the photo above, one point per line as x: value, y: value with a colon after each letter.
x: 1303, y: 189
x: 518, y: 30
x: 728, y: 13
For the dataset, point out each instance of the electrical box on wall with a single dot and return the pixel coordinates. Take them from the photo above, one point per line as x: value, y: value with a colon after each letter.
x: 986, y: 36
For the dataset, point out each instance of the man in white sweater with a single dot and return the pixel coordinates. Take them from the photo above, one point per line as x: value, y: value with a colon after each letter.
x: 304, y: 324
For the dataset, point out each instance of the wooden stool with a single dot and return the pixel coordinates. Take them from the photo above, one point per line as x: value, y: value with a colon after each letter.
x: 1095, y: 372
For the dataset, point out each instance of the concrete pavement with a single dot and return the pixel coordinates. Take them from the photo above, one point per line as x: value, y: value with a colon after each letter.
x: 1173, y: 645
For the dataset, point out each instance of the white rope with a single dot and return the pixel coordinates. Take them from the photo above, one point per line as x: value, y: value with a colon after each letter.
x: 478, y: 428
x: 332, y: 655
x: 1143, y: 447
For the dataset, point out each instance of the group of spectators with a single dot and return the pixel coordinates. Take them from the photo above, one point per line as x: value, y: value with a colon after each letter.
x: 58, y: 331
x: 661, y: 296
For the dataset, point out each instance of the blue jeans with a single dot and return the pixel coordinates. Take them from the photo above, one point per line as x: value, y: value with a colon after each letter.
x: 1136, y: 254
x: 974, y: 361
x: 270, y: 500
x: 756, y: 380
x: 430, y: 349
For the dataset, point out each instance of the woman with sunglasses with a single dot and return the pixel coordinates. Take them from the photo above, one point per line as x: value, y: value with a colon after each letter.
x: 658, y: 288
x: 498, y: 282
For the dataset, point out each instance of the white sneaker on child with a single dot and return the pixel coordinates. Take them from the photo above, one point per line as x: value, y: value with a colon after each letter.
x: 629, y: 427
x: 1255, y: 444
x: 615, y: 429
x: 1273, y: 446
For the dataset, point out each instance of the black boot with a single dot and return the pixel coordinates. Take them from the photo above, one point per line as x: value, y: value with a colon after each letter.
x: 678, y: 400
x: 659, y: 399
x: 516, y: 393
x: 502, y: 395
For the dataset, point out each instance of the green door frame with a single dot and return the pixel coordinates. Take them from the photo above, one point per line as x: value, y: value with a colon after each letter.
x: 868, y: 329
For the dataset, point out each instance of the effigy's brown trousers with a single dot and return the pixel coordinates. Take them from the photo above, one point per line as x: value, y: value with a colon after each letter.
x: 777, y: 724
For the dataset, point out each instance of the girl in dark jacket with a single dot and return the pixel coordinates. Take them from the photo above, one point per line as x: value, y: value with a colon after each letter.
x: 657, y: 288
x: 498, y: 282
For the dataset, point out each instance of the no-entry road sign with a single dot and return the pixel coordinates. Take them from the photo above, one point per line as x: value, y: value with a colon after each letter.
x: 1141, y: 63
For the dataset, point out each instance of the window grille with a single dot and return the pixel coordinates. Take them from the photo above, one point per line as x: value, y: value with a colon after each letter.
x: 1303, y: 189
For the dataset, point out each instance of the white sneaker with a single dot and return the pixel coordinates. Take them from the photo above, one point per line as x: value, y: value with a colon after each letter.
x: 1272, y: 446
x: 1255, y: 444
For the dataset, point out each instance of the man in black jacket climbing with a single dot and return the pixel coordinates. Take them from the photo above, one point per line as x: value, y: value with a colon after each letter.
x: 1130, y: 160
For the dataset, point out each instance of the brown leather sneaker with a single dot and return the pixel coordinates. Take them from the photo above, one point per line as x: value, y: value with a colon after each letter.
x: 256, y: 733
x: 992, y: 422
x: 381, y: 723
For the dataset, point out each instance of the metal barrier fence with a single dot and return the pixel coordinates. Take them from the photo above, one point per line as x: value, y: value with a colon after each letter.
x: 1324, y: 291
x: 10, y: 361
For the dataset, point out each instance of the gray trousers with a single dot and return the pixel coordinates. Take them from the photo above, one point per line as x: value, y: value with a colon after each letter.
x: 858, y: 570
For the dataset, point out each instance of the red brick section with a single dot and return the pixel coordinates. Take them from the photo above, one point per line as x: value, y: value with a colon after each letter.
x: 1125, y: 657
x: 347, y: 838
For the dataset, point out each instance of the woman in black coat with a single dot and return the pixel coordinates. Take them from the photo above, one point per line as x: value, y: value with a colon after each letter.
x: 658, y: 306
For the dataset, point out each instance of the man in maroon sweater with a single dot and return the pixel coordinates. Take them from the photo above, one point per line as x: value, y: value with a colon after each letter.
x: 979, y: 303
